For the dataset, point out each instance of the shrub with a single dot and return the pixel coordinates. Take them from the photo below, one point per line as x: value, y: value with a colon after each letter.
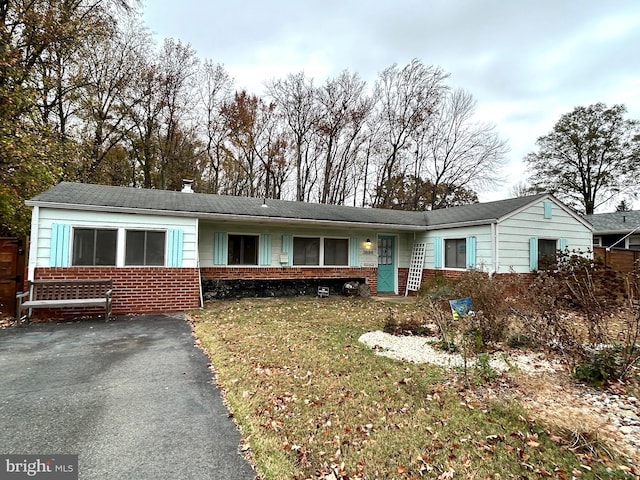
x: 437, y: 288
x: 544, y: 322
x: 488, y: 294
x: 484, y: 370
x: 588, y: 287
x: 520, y: 340
x: 401, y: 323
x: 601, y: 367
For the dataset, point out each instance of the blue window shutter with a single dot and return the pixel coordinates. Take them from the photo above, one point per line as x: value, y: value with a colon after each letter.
x: 59, y: 255
x: 220, y: 248
x: 533, y: 253
x: 354, y: 252
x: 471, y: 252
x: 548, y: 209
x: 265, y: 249
x: 287, y: 247
x: 562, y: 244
x: 175, y: 246
x: 437, y: 252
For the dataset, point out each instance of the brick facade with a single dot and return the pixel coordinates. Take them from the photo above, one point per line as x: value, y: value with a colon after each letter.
x: 160, y: 289
x: 135, y: 289
x: 517, y: 283
x: 403, y: 277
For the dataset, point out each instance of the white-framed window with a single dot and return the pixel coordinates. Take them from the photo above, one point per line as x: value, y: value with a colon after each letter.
x: 242, y: 249
x: 320, y: 251
x: 547, y: 252
x: 455, y: 253
x: 306, y: 251
x: 634, y: 242
x: 336, y: 252
x: 94, y: 247
x: 145, y: 248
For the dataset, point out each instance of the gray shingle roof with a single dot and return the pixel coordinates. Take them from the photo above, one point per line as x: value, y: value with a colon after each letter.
x: 198, y: 204
x: 100, y: 197
x: 615, y: 222
x: 479, y: 212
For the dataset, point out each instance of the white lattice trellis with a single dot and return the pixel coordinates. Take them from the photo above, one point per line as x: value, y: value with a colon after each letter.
x: 415, y: 268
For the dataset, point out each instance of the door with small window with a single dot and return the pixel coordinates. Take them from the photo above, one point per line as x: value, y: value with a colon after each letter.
x: 386, y: 264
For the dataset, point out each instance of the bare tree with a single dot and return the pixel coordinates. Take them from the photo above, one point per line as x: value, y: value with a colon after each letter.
x: 407, y: 98
x: 145, y: 117
x: 341, y: 117
x: 108, y: 68
x: 458, y: 152
x: 255, y: 162
x: 214, y: 91
x: 295, y: 98
x: 177, y: 135
x: 520, y: 189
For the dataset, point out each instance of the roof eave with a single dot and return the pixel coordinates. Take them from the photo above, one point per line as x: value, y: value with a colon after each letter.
x: 611, y: 232
x: 224, y: 216
x: 473, y: 223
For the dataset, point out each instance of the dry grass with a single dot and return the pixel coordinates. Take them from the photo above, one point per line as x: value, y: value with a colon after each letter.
x: 312, y: 402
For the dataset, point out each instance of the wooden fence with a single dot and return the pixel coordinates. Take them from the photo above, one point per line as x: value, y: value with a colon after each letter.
x: 619, y: 259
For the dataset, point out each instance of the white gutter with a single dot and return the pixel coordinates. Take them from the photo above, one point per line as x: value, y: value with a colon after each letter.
x: 473, y: 223
x: 226, y: 217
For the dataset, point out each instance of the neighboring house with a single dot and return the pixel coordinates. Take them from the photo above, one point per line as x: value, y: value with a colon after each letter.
x: 167, y: 251
x: 616, y: 229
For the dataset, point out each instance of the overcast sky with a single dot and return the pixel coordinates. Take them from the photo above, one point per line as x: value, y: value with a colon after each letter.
x: 526, y: 62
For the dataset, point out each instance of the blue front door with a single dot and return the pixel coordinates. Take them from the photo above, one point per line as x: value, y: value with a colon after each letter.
x: 386, y: 264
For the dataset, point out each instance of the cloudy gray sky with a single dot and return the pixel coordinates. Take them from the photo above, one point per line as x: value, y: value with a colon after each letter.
x: 526, y: 62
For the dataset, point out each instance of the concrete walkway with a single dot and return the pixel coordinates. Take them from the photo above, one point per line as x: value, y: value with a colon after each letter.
x: 132, y: 397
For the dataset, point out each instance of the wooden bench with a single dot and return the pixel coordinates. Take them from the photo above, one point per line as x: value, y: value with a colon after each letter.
x: 65, y: 293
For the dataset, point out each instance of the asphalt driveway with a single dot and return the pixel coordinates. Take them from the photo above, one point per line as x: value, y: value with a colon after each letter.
x: 132, y: 397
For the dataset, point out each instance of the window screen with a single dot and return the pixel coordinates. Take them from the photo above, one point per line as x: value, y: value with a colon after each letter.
x: 242, y: 250
x: 306, y: 251
x: 336, y: 251
x: 145, y: 248
x: 92, y: 246
x: 455, y: 253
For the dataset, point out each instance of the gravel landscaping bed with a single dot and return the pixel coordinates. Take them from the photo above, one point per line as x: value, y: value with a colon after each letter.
x: 615, y: 416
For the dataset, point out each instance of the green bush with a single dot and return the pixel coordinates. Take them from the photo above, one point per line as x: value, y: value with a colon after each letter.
x: 602, y: 367
x: 520, y: 340
x: 484, y: 370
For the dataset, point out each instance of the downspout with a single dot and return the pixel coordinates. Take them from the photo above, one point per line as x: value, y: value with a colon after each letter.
x: 494, y: 246
x: 198, y: 261
x: 33, y: 243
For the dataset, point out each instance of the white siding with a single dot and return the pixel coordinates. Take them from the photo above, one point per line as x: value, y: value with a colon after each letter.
x: 514, y: 234
x: 484, y: 257
x: 77, y: 218
x: 404, y: 242
x: 405, y: 247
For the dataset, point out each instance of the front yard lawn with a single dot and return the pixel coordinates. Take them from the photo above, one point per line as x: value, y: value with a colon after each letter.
x: 312, y: 402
